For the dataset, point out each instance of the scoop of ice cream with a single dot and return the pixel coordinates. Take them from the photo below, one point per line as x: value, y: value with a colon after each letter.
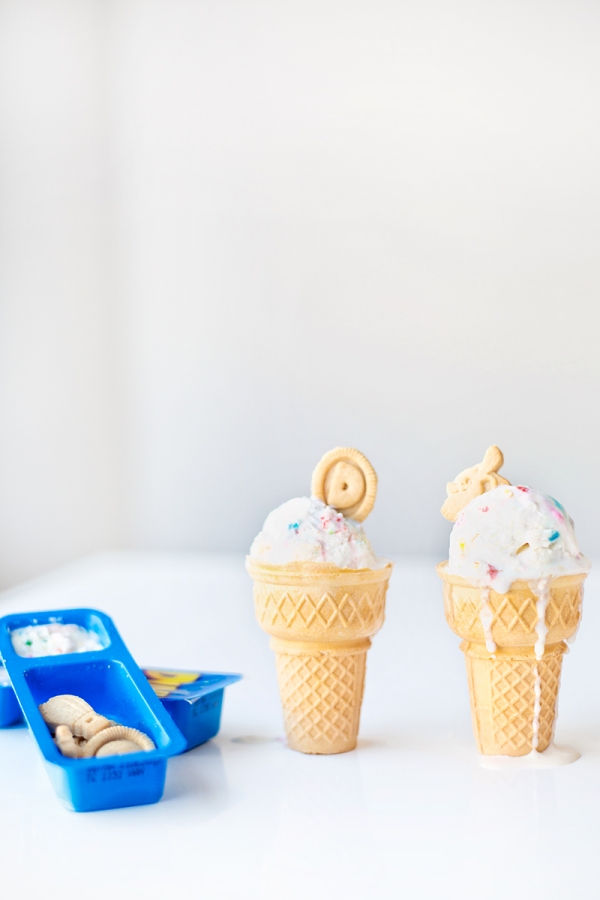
x: 510, y: 533
x: 307, y: 530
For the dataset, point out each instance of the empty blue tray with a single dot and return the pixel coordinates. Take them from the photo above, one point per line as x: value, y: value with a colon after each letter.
x: 112, y: 683
x: 194, y: 700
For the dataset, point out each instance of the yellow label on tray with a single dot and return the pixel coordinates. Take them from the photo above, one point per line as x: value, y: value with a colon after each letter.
x: 165, y: 681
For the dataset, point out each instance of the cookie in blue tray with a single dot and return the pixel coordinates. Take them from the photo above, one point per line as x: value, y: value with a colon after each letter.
x: 194, y: 700
x: 113, y: 684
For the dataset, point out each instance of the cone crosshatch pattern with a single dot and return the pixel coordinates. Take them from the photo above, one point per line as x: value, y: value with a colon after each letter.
x: 320, y: 619
x: 318, y: 612
x: 503, y: 698
x: 321, y: 695
x: 318, y: 601
x: 501, y: 686
x: 514, y: 614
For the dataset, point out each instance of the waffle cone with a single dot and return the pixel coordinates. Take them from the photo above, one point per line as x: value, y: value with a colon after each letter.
x: 514, y: 614
x: 502, y: 693
x: 502, y: 684
x: 321, y: 619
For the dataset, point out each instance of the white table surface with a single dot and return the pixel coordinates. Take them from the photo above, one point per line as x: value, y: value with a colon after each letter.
x: 409, y: 814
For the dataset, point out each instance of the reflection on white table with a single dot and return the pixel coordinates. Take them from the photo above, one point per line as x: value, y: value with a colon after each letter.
x: 409, y: 814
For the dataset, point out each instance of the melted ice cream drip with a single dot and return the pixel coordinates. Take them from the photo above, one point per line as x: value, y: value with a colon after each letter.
x: 486, y: 617
x: 543, y: 596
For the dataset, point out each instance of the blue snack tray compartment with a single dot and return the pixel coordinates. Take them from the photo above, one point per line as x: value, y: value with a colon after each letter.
x: 113, y: 684
x: 10, y: 711
x: 194, y: 705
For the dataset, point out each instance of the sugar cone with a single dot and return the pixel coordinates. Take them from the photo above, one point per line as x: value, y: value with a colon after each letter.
x: 502, y: 685
x: 321, y: 619
x: 502, y: 691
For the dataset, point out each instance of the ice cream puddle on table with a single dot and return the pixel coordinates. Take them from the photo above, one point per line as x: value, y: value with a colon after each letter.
x: 503, y: 534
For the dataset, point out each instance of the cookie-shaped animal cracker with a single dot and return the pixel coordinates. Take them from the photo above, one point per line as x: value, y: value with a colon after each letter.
x: 68, y: 709
x: 66, y: 743
x: 346, y: 480
x: 473, y: 482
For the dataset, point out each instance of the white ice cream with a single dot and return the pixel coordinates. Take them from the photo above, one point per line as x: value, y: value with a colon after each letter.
x: 54, y: 639
x: 514, y: 533
x: 306, y: 530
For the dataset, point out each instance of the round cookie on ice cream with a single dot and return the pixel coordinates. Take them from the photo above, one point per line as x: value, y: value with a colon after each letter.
x: 345, y: 479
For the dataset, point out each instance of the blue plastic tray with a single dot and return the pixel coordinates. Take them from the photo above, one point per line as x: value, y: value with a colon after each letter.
x: 111, y: 682
x: 194, y: 705
x: 194, y: 700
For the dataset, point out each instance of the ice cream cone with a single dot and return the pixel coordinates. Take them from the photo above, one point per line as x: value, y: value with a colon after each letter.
x: 513, y: 692
x: 502, y: 691
x: 320, y: 619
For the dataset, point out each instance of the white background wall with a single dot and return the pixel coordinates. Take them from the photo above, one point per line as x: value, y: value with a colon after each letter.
x: 236, y: 234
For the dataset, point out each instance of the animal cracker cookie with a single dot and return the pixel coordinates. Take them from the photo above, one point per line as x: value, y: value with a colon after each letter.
x: 81, y: 733
x: 345, y: 479
x: 472, y: 482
